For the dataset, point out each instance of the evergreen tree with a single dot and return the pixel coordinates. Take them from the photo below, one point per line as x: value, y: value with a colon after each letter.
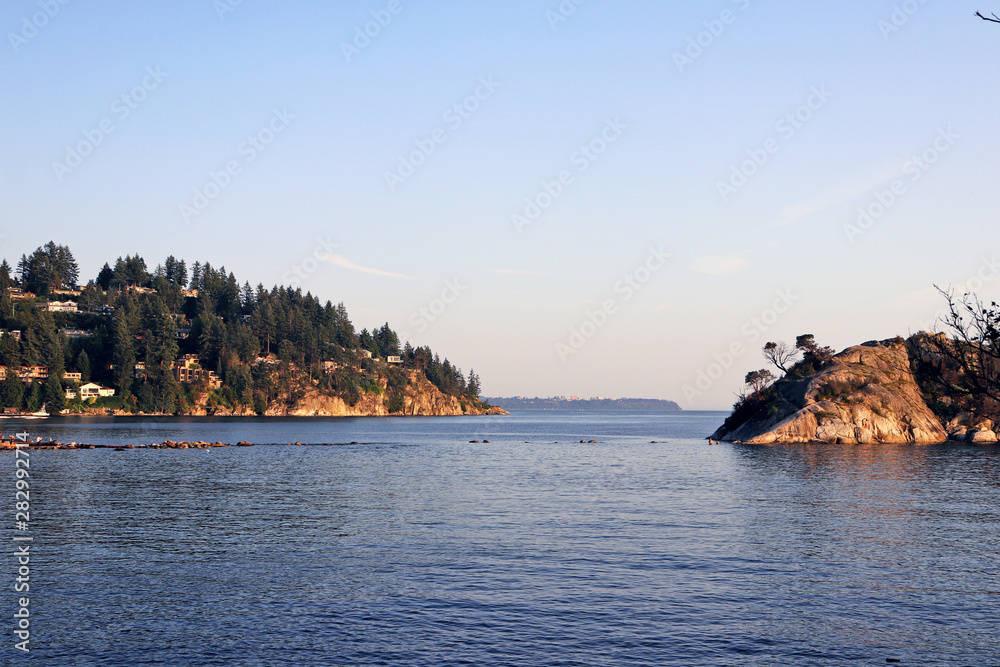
x: 472, y: 388
x: 10, y: 353
x: 123, y: 352
x: 6, y: 281
x: 104, y: 277
x: 53, y: 395
x: 83, y: 366
x: 34, y: 399
x: 11, y: 391
x: 50, y: 267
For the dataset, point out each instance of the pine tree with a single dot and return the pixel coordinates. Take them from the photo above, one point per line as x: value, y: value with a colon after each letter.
x: 83, y: 366
x: 472, y: 387
x: 104, y: 277
x: 11, y: 391
x: 123, y: 352
x: 53, y: 395
x: 34, y: 401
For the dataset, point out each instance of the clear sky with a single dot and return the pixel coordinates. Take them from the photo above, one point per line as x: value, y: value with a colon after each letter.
x: 686, y: 176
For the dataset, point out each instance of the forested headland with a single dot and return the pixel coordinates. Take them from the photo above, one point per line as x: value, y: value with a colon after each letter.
x: 181, y: 338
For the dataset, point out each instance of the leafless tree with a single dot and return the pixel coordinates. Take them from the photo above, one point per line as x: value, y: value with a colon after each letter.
x: 781, y: 354
x: 995, y: 19
x: 973, y: 348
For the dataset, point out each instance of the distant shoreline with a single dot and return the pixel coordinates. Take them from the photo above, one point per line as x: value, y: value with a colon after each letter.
x: 578, y: 405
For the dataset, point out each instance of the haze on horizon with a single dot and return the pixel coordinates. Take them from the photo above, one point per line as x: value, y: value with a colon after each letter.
x: 676, y: 184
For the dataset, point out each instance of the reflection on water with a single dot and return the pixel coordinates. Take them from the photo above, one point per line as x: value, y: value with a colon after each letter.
x: 419, y: 547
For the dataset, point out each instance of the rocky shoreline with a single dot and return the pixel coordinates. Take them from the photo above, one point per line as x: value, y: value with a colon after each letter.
x: 7, y: 444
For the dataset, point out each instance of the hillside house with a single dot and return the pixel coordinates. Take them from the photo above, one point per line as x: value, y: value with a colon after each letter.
x: 61, y: 306
x: 29, y: 373
x: 94, y: 390
x: 188, y: 370
x: 76, y: 333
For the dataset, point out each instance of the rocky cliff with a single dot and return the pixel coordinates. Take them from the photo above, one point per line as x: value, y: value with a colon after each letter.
x: 867, y: 393
x: 421, y: 398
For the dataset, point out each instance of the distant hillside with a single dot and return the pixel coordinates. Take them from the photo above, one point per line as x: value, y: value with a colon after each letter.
x: 608, y: 404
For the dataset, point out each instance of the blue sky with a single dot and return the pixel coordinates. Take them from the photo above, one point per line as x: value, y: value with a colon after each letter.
x: 288, y: 137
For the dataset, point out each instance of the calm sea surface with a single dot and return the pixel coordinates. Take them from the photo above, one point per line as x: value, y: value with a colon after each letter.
x: 417, y: 547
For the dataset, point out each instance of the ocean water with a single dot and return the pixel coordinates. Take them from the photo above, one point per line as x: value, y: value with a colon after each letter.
x: 418, y: 547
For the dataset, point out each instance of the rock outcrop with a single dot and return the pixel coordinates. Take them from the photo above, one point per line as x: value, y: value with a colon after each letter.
x: 867, y: 394
x: 420, y: 398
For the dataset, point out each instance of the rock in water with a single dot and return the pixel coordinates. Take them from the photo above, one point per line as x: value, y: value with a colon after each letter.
x: 867, y: 394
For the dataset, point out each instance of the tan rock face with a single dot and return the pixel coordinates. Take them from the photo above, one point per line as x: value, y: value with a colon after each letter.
x: 982, y: 435
x: 868, y: 394
x: 421, y: 397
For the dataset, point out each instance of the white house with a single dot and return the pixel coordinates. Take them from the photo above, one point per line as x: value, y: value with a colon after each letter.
x: 62, y: 306
x: 394, y: 360
x: 94, y: 390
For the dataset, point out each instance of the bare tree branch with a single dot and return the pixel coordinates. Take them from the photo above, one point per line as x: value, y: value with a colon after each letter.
x: 968, y: 362
x: 995, y: 19
x: 780, y: 354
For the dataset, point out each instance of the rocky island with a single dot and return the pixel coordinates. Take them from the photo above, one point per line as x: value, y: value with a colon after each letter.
x: 890, y: 391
